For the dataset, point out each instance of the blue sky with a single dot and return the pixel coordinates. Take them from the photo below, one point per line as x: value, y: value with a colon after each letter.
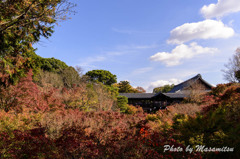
x: 149, y: 43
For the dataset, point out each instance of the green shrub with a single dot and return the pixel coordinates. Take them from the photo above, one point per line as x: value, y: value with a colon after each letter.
x: 152, y: 117
x: 122, y: 103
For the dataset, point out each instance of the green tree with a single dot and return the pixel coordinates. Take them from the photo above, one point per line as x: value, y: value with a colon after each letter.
x: 23, y: 22
x: 102, y: 76
x: 125, y: 87
x: 163, y: 89
x: 122, y: 103
x: 52, y: 64
x: 46, y: 64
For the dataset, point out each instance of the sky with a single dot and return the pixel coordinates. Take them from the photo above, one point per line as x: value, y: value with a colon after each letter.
x: 149, y: 43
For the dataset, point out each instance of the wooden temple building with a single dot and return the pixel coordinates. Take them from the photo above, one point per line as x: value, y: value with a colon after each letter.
x: 152, y: 101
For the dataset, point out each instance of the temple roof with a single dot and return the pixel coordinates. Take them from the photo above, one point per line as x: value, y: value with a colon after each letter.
x: 189, y: 82
x: 138, y: 95
x: 176, y: 95
x: 176, y: 92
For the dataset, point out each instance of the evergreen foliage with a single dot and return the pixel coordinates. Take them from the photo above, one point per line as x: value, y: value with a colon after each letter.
x: 122, y: 102
x: 102, y: 76
x: 125, y: 87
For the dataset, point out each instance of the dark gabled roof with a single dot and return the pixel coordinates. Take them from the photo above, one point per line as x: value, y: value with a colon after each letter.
x: 180, y: 95
x: 175, y: 95
x: 152, y: 95
x: 171, y: 94
x: 187, y: 83
x: 138, y: 95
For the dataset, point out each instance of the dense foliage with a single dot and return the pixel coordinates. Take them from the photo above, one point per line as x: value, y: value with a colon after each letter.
x: 102, y: 76
x: 23, y: 22
x: 83, y: 122
x: 61, y: 114
x: 75, y: 134
x: 125, y: 87
x: 36, y: 122
x: 217, y: 125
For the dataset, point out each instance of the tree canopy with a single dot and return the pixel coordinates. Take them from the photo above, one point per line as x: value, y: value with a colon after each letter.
x: 125, y: 87
x: 23, y: 22
x: 102, y: 76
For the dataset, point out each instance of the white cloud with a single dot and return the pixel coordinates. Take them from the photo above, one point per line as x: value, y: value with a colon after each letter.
x: 160, y: 83
x: 207, y: 29
x: 221, y: 8
x: 180, y: 53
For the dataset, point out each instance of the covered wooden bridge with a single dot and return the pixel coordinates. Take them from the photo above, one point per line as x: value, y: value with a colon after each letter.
x: 151, y: 101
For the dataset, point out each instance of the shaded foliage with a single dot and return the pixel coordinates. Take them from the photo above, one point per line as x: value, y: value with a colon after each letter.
x: 28, y: 144
x: 217, y: 125
x: 12, y: 69
x: 27, y: 94
x: 75, y: 134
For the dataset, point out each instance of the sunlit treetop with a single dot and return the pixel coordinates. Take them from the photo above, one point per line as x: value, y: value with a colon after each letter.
x: 23, y: 22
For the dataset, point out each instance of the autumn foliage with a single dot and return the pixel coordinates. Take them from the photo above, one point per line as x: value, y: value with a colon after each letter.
x: 87, y: 120
x: 49, y: 110
x: 77, y: 122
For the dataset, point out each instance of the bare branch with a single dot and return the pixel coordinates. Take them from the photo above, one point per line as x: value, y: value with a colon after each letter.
x: 232, y: 67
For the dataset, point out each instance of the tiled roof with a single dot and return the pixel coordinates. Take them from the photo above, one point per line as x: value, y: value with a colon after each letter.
x: 177, y: 91
x: 176, y: 95
x: 150, y: 95
x: 138, y: 95
x: 187, y: 83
